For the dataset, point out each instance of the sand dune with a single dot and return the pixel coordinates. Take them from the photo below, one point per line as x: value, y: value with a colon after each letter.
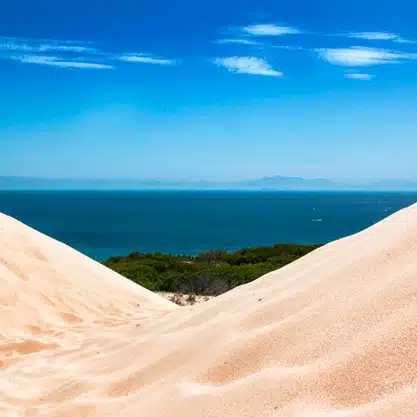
x: 331, y: 335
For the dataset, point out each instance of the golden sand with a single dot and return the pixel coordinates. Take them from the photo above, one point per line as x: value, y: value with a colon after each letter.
x: 331, y: 335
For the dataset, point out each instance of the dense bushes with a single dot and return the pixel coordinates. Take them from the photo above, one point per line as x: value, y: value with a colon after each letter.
x: 210, y: 273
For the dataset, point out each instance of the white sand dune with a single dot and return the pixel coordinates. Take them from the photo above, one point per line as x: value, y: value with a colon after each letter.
x: 331, y: 335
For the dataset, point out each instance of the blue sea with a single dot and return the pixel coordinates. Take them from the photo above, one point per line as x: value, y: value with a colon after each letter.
x: 102, y: 224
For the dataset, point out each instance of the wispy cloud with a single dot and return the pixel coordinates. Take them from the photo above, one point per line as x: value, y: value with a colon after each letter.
x: 247, y: 65
x: 362, y: 57
x: 45, y: 45
x: 251, y: 35
x: 360, y: 76
x: 17, y: 47
x: 270, y: 30
x: 69, y: 48
x: 68, y: 54
x: 238, y: 41
x: 59, y: 62
x: 379, y: 36
x: 146, y: 59
x: 289, y: 47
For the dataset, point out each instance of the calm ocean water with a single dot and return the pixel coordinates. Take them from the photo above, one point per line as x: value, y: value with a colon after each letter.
x: 105, y: 224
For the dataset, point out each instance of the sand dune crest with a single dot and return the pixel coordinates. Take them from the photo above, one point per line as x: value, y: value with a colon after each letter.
x: 331, y: 335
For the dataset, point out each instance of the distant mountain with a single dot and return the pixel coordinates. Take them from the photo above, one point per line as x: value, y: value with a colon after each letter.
x: 295, y: 183
x: 28, y: 183
x: 279, y: 183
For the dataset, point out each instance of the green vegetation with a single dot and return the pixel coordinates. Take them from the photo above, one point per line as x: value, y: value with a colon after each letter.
x: 210, y: 273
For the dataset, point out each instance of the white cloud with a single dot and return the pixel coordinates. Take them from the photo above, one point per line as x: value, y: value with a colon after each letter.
x: 289, y: 47
x: 238, y: 40
x: 362, y: 57
x: 248, y: 65
x: 13, y: 46
x: 145, y: 59
x: 57, y: 62
x: 68, y: 48
x: 68, y: 54
x: 44, y: 45
x: 359, y: 76
x: 270, y: 30
x: 379, y: 36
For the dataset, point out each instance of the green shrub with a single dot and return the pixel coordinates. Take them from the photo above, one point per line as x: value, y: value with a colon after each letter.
x: 209, y: 273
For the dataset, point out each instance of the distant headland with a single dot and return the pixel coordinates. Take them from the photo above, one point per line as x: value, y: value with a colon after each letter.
x: 277, y: 183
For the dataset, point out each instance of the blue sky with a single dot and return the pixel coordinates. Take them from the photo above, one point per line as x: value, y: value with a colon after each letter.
x: 219, y: 90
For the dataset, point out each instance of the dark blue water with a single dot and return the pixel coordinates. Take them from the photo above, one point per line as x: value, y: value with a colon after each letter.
x: 105, y: 224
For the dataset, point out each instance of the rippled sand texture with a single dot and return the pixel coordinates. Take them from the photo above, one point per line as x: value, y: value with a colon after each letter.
x: 331, y: 335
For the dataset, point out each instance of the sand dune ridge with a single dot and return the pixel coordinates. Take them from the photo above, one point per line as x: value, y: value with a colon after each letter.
x: 331, y: 335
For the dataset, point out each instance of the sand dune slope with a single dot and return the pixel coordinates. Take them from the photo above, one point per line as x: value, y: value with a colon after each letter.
x: 331, y: 335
